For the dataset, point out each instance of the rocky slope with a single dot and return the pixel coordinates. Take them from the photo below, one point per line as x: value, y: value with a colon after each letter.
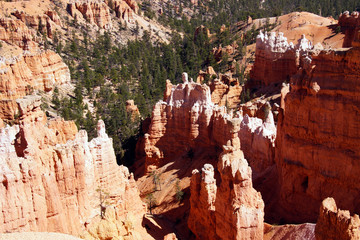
x: 50, y: 173
x: 318, y: 135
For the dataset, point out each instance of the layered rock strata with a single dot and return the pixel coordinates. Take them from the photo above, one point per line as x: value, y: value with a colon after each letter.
x: 23, y: 66
x: 318, y: 135
x: 49, y: 175
x: 188, y: 120
x: 334, y: 223
x: 276, y: 60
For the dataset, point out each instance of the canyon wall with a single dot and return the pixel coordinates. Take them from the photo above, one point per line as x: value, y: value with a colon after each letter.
x: 50, y: 172
x: 276, y: 60
x: 318, y: 135
x: 15, y: 32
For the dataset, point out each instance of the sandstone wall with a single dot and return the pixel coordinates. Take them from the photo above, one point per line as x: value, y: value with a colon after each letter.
x: 49, y: 175
x: 318, y: 135
x: 95, y: 12
x: 124, y: 9
x: 49, y: 21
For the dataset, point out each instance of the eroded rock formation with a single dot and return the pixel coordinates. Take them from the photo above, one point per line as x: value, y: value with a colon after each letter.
x: 258, y: 141
x: 21, y: 74
x: 93, y: 11
x: 132, y: 109
x: 276, y: 60
x: 124, y: 9
x: 234, y: 210
x: 225, y: 91
x: 49, y: 176
x: 185, y: 121
x: 334, y: 223
x: 16, y: 32
x: 23, y: 66
x: 46, y: 22
x: 202, y: 221
x: 350, y: 26
x: 318, y: 135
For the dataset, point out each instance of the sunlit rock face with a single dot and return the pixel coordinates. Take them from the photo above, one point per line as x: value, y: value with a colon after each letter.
x: 24, y: 67
x: 50, y: 173
x: 318, y: 135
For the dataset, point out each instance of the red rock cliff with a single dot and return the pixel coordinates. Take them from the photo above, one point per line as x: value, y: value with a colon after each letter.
x: 318, y: 135
x: 16, y: 32
x: 49, y: 20
x: 49, y: 175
